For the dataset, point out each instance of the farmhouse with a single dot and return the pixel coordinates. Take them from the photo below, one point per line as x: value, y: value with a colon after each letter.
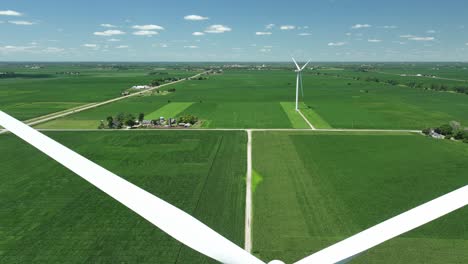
x: 140, y: 87
x: 436, y: 135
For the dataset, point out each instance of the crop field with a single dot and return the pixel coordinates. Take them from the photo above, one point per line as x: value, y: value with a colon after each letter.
x: 168, y: 110
x: 315, y: 189
x: 31, y: 93
x: 50, y: 215
x: 347, y: 103
x: 263, y: 99
x: 238, y: 99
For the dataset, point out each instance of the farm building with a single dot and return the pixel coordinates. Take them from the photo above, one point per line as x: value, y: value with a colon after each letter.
x: 139, y: 87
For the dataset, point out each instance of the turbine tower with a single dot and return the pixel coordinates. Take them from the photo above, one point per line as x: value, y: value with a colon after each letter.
x: 299, y: 81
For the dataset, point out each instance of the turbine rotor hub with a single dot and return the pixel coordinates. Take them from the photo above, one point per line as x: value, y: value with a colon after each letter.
x: 276, y: 262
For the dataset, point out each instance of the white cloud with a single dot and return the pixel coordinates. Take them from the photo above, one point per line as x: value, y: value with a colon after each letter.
x: 122, y: 47
x: 93, y: 46
x: 198, y: 33
x: 304, y: 34
x: 7, y: 49
x: 148, y: 27
x: 336, y: 44
x: 108, y: 25
x: 358, y: 26
x: 431, y: 31
x: 21, y: 22
x: 466, y: 44
x: 145, y: 33
x: 348, y: 34
x: 265, y: 50
x: 417, y: 38
x: 263, y: 33
x: 108, y: 33
x: 113, y: 40
x: 9, y: 13
x: 216, y: 29
x: 422, y: 38
x: 195, y: 18
x: 374, y: 40
x: 270, y: 26
x: 390, y: 27
x: 191, y: 47
x: 287, y: 27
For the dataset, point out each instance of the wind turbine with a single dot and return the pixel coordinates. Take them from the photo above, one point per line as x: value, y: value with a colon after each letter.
x: 299, y: 81
x: 203, y: 239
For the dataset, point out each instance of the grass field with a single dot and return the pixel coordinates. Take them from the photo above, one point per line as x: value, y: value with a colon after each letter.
x: 262, y: 99
x: 50, y: 215
x: 170, y: 110
x: 315, y: 189
x: 46, y: 90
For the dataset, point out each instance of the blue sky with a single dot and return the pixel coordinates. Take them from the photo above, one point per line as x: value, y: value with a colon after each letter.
x: 254, y: 30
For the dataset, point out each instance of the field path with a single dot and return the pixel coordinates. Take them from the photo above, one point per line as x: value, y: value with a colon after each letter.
x: 233, y: 129
x: 248, y: 195
x: 307, y: 121
x: 49, y: 117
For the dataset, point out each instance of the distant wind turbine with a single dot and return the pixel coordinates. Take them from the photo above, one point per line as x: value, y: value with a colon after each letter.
x: 299, y: 81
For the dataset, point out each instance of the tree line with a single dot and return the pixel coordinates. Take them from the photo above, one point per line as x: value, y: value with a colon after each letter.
x: 452, y: 130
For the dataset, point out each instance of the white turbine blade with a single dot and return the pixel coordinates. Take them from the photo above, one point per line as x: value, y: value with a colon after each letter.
x: 165, y: 216
x: 305, y: 65
x: 391, y: 228
x: 297, y: 65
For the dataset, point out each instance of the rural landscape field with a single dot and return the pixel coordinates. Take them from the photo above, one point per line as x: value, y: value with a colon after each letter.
x: 310, y: 189
x: 331, y: 185
x: 240, y: 132
x: 48, y: 215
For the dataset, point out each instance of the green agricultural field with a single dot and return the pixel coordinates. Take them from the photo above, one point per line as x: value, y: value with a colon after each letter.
x: 235, y: 99
x: 32, y: 93
x: 346, y: 103
x: 169, y: 110
x: 263, y: 99
x: 50, y: 215
x: 315, y: 189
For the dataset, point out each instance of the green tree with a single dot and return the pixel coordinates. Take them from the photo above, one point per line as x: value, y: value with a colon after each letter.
x: 188, y: 119
x: 101, y: 125
x: 120, y: 117
x: 426, y: 131
x: 110, y: 121
x: 129, y: 120
x: 141, y: 117
x: 445, y: 130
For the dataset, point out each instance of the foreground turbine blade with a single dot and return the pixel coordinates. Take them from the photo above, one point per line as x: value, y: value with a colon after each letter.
x: 297, y: 65
x: 423, y: 214
x: 305, y: 65
x: 165, y: 216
